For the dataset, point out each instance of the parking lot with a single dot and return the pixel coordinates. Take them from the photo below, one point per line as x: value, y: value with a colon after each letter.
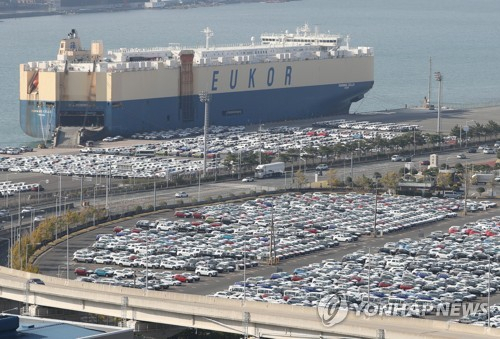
x: 236, y: 237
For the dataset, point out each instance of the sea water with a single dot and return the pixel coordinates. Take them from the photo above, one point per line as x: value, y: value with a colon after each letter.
x: 461, y: 37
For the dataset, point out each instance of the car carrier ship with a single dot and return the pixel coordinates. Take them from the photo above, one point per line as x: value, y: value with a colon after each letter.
x: 283, y: 77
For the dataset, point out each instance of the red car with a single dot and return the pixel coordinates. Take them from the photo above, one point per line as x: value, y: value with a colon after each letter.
x: 406, y: 287
x: 183, y: 214
x: 82, y: 271
x: 296, y: 278
x: 180, y: 277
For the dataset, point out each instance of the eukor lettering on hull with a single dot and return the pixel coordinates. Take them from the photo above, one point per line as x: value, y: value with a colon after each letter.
x: 286, y: 76
x: 250, y: 78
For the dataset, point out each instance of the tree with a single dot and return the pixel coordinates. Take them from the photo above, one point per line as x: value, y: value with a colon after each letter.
x: 493, y: 128
x: 231, y: 161
x: 249, y: 159
x: 456, y: 131
x: 480, y: 190
x: 390, y: 181
x: 364, y: 182
x: 300, y: 178
x: 311, y: 153
x: 491, y: 185
x: 444, y: 180
x: 325, y: 151
x: 331, y: 178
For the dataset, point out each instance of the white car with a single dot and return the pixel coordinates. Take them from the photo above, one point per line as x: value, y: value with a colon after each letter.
x: 181, y: 195
x: 488, y: 151
x: 342, y: 237
x: 205, y: 271
x: 248, y: 179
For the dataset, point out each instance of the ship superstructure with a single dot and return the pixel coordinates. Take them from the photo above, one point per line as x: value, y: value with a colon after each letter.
x: 283, y: 77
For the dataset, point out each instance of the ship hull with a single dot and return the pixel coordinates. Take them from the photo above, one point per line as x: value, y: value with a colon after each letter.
x: 157, y: 89
x: 228, y: 109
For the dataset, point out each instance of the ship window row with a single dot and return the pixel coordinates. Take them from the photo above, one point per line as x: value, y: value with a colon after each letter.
x: 300, y: 40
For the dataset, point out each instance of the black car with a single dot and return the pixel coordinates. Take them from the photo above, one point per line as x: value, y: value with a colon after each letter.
x: 472, y: 150
x: 36, y: 281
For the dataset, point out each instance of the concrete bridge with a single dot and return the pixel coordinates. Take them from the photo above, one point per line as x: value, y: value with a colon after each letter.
x: 253, y: 318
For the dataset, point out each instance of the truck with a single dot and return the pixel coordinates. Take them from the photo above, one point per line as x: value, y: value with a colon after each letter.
x: 482, y: 178
x: 274, y: 169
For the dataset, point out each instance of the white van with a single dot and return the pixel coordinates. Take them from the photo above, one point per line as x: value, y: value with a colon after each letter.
x: 293, y: 293
x: 236, y: 288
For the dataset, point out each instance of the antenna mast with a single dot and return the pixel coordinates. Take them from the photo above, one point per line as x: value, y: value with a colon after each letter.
x: 208, y: 34
x: 430, y: 81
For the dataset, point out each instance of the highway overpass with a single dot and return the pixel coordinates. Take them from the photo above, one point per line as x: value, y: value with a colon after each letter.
x: 253, y: 318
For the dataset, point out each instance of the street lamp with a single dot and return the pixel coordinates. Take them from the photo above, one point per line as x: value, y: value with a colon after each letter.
x: 205, y: 99
x: 199, y: 184
x: 67, y: 251
x: 489, y: 287
x: 154, y: 194
x: 260, y: 145
x: 38, y: 189
x: 465, y: 188
x: 147, y: 263
x: 9, y: 254
x: 466, y: 129
x: 375, y: 214
x: 439, y: 77
x: 26, y: 253
x: 447, y: 166
x: 28, y: 245
x: 369, y: 273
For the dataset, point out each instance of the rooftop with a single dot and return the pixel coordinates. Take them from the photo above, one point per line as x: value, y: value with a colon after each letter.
x: 29, y: 327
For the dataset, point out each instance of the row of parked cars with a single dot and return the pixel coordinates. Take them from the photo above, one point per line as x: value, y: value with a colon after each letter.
x: 228, y: 237
x: 366, y: 125
x: 429, y: 275
x: 9, y: 188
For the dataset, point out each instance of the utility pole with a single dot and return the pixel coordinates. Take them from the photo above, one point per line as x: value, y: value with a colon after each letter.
x: 439, y: 77
x: 205, y: 98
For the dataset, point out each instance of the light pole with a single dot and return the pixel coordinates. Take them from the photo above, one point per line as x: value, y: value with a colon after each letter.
x: 154, y: 195
x: 244, y: 272
x: 9, y: 259
x: 465, y: 188
x: 147, y: 264
x: 439, y: 77
x: 108, y: 181
x: 80, y: 178
x: 60, y: 194
x: 414, y: 140
x: 260, y: 145
x: 67, y: 251
x: 205, y: 99
x: 447, y: 166
x: 489, y: 286
x: 466, y: 129
x: 369, y: 273
x: 239, y: 165
x: 375, y: 214
x: 26, y: 253
x: 199, y: 185
x: 38, y: 190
